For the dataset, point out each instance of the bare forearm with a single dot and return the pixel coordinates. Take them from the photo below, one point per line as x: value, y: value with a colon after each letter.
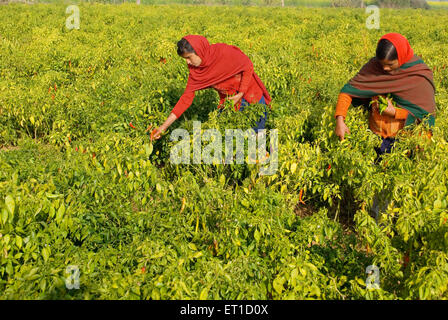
x: 168, y: 122
x: 341, y: 128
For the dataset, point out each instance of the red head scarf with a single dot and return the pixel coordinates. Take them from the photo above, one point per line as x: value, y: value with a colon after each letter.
x: 220, y: 61
x: 401, y: 44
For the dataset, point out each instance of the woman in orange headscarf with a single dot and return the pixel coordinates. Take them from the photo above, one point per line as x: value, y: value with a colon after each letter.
x: 395, y: 70
x: 222, y: 67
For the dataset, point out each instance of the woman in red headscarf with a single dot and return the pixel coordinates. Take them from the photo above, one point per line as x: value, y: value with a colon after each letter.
x: 222, y: 67
x: 397, y: 71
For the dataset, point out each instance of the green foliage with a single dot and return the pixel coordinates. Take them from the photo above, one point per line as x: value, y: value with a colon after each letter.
x: 347, y: 3
x: 437, y: 4
x: 80, y: 186
x: 383, y: 102
x: 403, y: 4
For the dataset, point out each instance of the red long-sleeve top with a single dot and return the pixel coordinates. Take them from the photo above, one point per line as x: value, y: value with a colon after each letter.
x: 243, y: 82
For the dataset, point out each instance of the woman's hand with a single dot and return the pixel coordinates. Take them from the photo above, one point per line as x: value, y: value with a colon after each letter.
x: 236, y: 97
x: 156, y: 133
x: 341, y: 128
x: 389, y: 111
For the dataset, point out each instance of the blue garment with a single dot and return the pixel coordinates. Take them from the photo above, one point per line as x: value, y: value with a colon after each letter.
x: 386, y: 147
x: 260, y: 124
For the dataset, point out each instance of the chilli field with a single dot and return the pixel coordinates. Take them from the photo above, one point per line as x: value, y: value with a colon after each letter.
x: 82, y: 186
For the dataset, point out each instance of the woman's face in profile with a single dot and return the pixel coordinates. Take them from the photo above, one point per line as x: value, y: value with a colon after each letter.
x: 389, y: 65
x: 192, y: 59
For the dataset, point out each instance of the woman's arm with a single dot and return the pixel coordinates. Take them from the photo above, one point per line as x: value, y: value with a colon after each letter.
x: 169, y: 121
x: 344, y: 101
x: 183, y: 104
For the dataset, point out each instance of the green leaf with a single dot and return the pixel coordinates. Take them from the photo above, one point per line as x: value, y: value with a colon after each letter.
x: 204, y: 294
x: 19, y: 242
x: 9, y: 269
x: 51, y: 212
x: 15, y: 177
x: 32, y: 274
x: 278, y: 284
x: 361, y: 282
x: 10, y: 204
x: 257, y: 236
x: 43, y: 284
x: 294, y: 274
x: 53, y: 196
x: 45, y: 254
x: 315, y: 291
x: 60, y: 213
x: 421, y: 292
x: 222, y: 180
x: 293, y: 167
x: 148, y: 149
x: 4, y: 216
x: 245, y: 203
